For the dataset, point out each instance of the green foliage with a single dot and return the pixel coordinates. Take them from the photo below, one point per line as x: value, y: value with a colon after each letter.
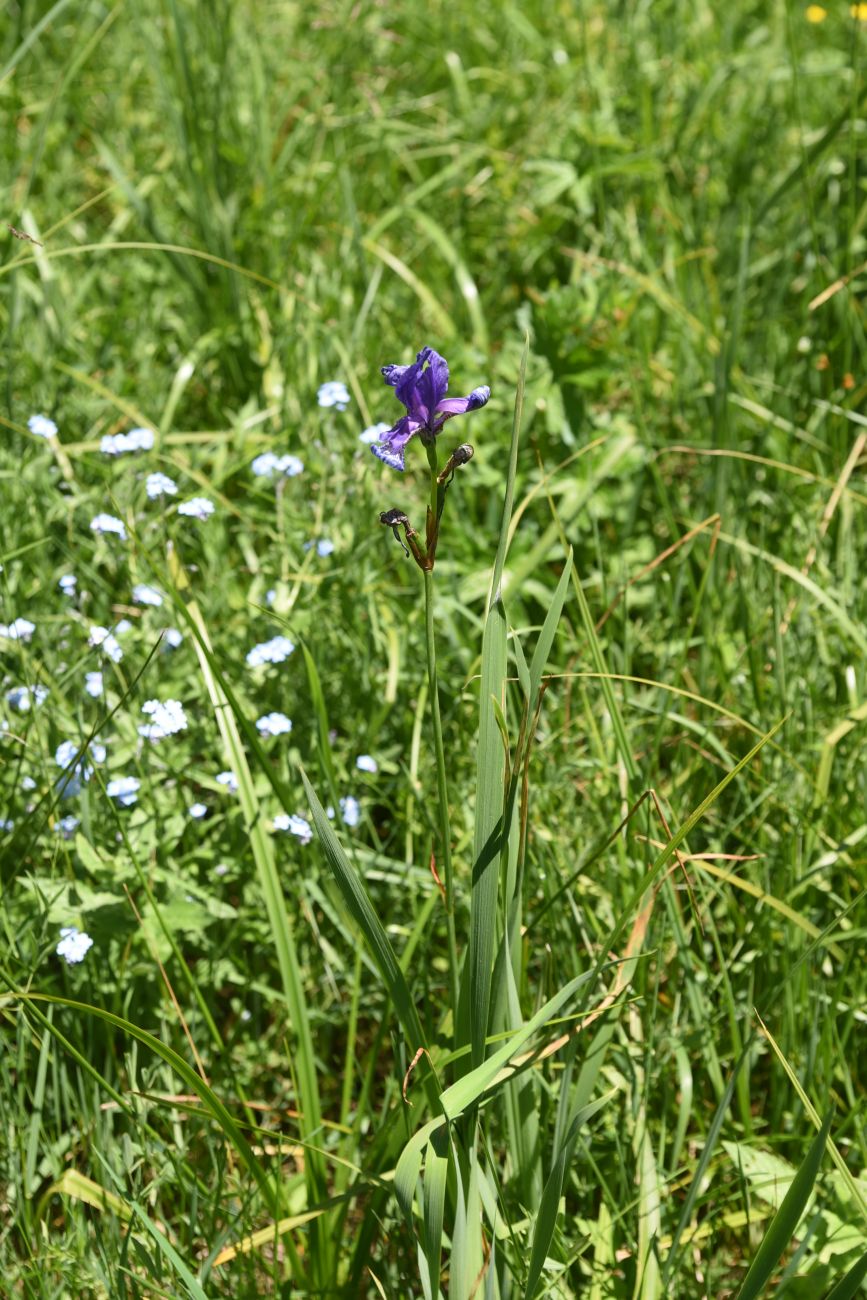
x: 646, y: 221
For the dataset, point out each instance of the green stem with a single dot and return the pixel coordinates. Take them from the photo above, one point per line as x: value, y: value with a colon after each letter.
x: 442, y: 790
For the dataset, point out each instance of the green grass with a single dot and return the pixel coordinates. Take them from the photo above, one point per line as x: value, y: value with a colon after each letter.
x: 647, y: 1004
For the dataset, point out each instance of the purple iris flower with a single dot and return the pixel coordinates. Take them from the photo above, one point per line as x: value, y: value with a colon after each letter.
x: 422, y: 388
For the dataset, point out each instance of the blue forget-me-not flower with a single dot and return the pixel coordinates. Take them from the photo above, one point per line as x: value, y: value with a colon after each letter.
x: 74, y: 944
x: 334, y: 393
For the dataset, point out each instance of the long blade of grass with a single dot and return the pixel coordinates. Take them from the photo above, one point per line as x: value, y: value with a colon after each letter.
x: 190, y: 1077
x: 850, y: 1283
x: 362, y: 911
x: 549, y: 628
x: 466, y: 1091
x: 279, y: 921
x: 546, y: 1218
x: 490, y: 771
x: 785, y: 1222
x: 166, y: 1249
x: 701, y: 1167
x: 852, y: 1184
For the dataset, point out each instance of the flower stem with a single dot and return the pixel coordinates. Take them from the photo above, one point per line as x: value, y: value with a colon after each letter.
x: 442, y: 789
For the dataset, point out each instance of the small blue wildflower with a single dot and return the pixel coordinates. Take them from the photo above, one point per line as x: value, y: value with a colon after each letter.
x: 270, y: 652
x: 119, y: 444
x: 93, y: 684
x: 295, y: 825
x: 334, y: 393
x: 269, y: 464
x: 67, y: 826
x: 103, y: 524
x: 324, y: 547
x: 42, y: 425
x: 21, y: 629
x: 74, y: 945
x: 142, y: 594
x: 366, y: 763
x: 22, y: 697
x: 422, y: 389
x: 107, y: 642
x: 229, y: 780
x: 124, y: 789
x: 67, y: 584
x: 64, y: 756
x: 197, y: 810
x: 160, y: 485
x: 7, y: 824
x: 197, y: 508
x: 274, y: 724
x: 121, y: 628
x: 167, y: 716
x: 172, y: 637
x: 27, y: 783
x: 374, y: 432
x: 350, y: 810
x: 74, y: 774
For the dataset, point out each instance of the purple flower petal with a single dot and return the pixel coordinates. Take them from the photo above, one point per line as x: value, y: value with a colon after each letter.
x: 449, y: 406
x: 394, y: 460
x: 433, y: 384
x: 392, y: 374
x: 391, y: 445
x: 422, y: 388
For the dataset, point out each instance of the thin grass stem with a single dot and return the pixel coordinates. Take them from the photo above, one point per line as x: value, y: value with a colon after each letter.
x: 442, y: 784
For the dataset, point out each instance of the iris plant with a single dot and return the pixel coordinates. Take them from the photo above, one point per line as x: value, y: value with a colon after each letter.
x: 422, y: 389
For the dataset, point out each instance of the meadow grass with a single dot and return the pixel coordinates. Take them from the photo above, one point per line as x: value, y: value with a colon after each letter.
x: 626, y: 1063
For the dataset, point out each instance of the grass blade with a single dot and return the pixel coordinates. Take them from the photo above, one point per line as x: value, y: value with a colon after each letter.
x: 785, y: 1222
x: 361, y: 909
x: 470, y: 1088
x: 165, y: 1247
x: 546, y: 1218
x: 190, y: 1077
x: 490, y: 773
x: 850, y: 1284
